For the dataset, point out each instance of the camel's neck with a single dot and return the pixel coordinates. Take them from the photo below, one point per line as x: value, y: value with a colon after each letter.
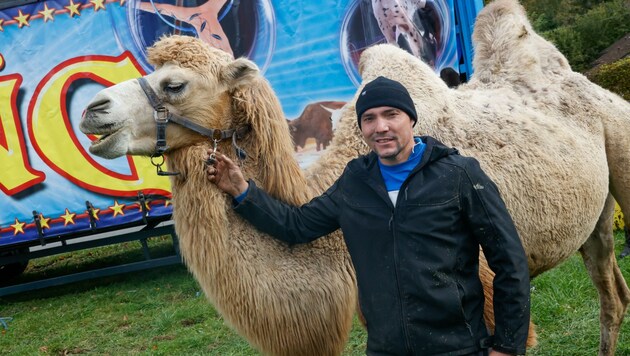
x: 200, y: 212
x: 269, y: 145
x: 195, y: 197
x: 279, y: 174
x: 205, y: 223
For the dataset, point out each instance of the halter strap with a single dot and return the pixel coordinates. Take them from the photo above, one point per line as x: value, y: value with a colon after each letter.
x: 158, y: 106
x: 162, y: 117
x: 155, y: 102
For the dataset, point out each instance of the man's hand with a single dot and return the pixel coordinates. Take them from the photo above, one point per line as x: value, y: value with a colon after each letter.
x: 226, y: 175
x: 497, y: 353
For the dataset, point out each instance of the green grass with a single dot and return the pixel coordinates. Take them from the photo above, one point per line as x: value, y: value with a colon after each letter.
x: 162, y: 312
x: 565, y: 308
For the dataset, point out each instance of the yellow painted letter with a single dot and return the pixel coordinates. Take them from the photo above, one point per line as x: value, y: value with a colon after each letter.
x: 13, y: 157
x: 54, y: 139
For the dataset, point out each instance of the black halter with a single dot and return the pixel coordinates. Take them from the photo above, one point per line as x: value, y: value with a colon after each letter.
x: 162, y: 117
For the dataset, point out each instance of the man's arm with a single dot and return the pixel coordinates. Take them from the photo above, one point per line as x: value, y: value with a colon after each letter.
x: 493, y: 227
x: 290, y: 224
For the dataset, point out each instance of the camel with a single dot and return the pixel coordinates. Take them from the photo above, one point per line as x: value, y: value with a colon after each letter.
x: 551, y: 140
x: 549, y: 162
x: 255, y: 314
x: 284, y: 300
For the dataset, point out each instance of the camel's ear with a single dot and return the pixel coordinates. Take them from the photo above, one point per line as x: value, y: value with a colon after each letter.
x: 240, y: 72
x: 523, y: 33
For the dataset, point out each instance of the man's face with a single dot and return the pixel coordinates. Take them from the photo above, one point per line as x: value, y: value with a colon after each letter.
x: 389, y: 133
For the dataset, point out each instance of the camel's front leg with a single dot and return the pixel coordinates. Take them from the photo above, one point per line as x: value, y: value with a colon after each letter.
x: 599, y: 257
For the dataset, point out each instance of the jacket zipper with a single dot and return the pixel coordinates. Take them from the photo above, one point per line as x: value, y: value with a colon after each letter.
x: 400, y: 296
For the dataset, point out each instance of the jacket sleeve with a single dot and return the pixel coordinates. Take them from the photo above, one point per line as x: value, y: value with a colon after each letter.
x: 492, y: 225
x: 291, y: 224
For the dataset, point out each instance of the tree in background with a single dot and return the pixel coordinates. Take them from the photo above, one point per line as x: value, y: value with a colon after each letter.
x: 614, y: 77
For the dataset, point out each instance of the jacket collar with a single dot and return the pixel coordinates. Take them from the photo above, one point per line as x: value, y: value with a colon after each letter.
x: 434, y: 151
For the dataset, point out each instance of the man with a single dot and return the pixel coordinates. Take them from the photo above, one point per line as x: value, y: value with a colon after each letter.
x: 413, y: 213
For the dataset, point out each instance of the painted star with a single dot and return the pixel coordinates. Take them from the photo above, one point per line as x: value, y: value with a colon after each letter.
x: 167, y: 203
x: 43, y: 222
x: 146, y: 206
x: 98, y: 4
x: 117, y: 208
x: 95, y: 214
x: 47, y: 13
x: 18, y: 227
x: 73, y: 9
x: 22, y: 19
x: 68, y: 217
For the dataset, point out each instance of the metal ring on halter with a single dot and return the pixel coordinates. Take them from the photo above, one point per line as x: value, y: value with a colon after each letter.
x: 217, y: 135
x: 157, y: 164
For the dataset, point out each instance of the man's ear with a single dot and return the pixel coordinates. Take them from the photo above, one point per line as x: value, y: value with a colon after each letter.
x: 240, y: 72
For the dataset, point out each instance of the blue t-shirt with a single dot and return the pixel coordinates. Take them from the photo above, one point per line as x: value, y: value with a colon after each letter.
x: 395, y: 175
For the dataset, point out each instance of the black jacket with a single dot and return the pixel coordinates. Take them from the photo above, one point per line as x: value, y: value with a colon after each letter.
x: 417, y: 262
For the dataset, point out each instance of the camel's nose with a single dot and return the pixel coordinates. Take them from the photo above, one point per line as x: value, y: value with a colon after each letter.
x: 98, y: 104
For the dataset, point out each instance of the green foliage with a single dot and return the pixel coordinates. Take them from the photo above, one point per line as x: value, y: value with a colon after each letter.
x: 542, y: 22
x: 615, y: 77
x: 582, y: 36
x: 546, y: 15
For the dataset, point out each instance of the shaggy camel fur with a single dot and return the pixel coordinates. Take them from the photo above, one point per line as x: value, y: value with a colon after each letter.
x: 549, y: 161
x: 284, y: 300
x: 553, y: 142
x: 510, y: 54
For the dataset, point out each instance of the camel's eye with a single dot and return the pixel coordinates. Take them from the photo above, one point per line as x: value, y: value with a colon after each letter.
x: 174, y: 88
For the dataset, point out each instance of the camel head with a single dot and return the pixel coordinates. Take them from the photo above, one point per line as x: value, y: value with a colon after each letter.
x: 506, y: 46
x: 211, y: 92
x: 191, y: 79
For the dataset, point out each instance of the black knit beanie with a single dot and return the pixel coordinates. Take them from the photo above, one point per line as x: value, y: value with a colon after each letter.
x: 385, y: 92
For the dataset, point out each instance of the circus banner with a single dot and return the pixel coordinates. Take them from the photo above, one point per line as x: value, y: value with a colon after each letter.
x: 55, y: 55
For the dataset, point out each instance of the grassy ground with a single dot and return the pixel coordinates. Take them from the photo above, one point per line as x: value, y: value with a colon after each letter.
x: 162, y: 312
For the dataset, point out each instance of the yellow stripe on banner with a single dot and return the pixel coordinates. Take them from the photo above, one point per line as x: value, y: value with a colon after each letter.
x: 618, y: 221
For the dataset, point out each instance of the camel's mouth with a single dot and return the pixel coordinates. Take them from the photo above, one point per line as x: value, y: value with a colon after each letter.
x: 102, y: 139
x: 105, y: 139
x: 98, y: 133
